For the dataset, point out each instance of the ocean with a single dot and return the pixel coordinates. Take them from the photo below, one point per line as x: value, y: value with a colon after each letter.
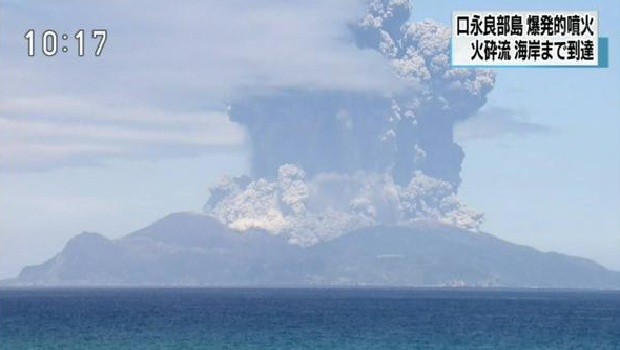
x: 338, y: 318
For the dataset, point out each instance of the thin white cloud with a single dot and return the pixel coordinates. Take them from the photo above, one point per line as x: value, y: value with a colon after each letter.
x: 227, y: 134
x: 166, y: 74
x: 41, y: 146
x: 497, y: 121
x: 73, y: 108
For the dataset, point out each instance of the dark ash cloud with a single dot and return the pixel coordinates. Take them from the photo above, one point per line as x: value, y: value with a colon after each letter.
x: 366, y: 158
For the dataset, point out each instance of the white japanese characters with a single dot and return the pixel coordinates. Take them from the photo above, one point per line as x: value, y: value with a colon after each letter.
x: 525, y: 39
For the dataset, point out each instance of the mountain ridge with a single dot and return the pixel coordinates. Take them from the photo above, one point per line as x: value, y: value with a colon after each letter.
x: 190, y: 249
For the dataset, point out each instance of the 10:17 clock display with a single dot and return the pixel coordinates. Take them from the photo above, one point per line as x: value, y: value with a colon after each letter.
x: 50, y: 43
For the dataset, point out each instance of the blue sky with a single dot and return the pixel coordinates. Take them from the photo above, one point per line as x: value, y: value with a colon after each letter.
x: 560, y: 189
x: 111, y: 144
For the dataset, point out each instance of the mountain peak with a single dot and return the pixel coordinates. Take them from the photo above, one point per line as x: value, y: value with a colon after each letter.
x: 195, y: 249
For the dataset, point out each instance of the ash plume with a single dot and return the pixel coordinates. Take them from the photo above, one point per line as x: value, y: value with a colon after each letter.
x: 329, y: 204
x: 326, y: 162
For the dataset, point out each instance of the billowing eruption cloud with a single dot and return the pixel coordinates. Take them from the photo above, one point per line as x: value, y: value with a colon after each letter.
x: 330, y: 204
x: 325, y: 162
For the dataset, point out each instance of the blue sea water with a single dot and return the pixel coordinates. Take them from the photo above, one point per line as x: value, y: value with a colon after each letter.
x: 194, y: 318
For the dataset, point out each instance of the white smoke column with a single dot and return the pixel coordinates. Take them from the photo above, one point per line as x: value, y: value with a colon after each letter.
x: 325, y: 162
x: 328, y: 205
x: 292, y: 181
